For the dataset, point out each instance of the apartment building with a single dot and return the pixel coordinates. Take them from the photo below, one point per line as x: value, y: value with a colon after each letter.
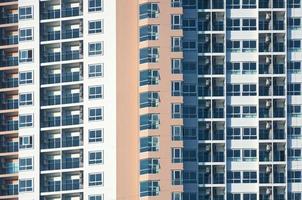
x: 150, y: 99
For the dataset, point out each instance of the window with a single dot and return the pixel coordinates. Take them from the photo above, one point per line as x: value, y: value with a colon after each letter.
x: 233, y: 177
x: 150, y: 143
x: 249, y: 68
x: 25, y: 99
x: 149, y: 166
x: 25, y: 164
x: 96, y: 114
x: 96, y: 135
x: 149, y: 188
x: 25, y: 121
x: 189, y: 45
x: 233, y: 24
x: 177, y: 155
x: 96, y: 70
x: 96, y: 92
x: 233, y: 90
x: 95, y: 157
x: 25, y: 185
x: 95, y: 27
x: 176, y: 111
x: 233, y: 196
x: 249, y: 90
x: 233, y: 111
x: 176, y: 88
x: 95, y: 197
x: 189, y: 24
x: 294, y: 4
x: 176, y: 66
x: 249, y: 177
x: 177, y: 177
x: 25, y: 13
x: 149, y: 121
x: 148, y: 10
x: 233, y: 133
x: 248, y: 45
x: 149, y: 55
x: 248, y: 4
x: 249, y: 133
x: 233, y: 4
x: 294, y: 176
x: 294, y: 45
x: 25, y: 34
x: 96, y: 179
x: 294, y: 132
x: 25, y: 55
x: 249, y: 196
x: 149, y: 32
x: 234, y: 155
x: 249, y: 155
x: 249, y: 25
x: 25, y: 78
x: 176, y: 22
x: 95, y: 49
x: 176, y: 133
x: 294, y: 89
x: 148, y: 77
x: 233, y: 68
x: 294, y: 67
x: 176, y: 44
x: 233, y: 46
x: 177, y: 196
x: 95, y: 5
x: 189, y: 89
x: 294, y: 23
x: 25, y: 142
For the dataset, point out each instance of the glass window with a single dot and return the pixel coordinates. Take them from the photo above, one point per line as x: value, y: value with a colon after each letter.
x: 96, y: 92
x: 25, y: 55
x: 294, y: 89
x: 176, y: 22
x: 149, y: 32
x: 249, y: 155
x: 25, y: 164
x: 249, y: 25
x: 95, y: 157
x: 25, y: 185
x: 249, y: 90
x: 149, y: 188
x: 233, y: 177
x: 25, y: 12
x: 95, y: 49
x: 150, y: 143
x: 148, y: 10
x: 96, y: 114
x: 95, y: 26
x: 233, y: 24
x: 25, y: 99
x: 96, y: 135
x: 25, y: 78
x: 25, y: 142
x: 96, y: 70
x: 249, y: 177
x: 25, y: 34
x: 96, y: 179
x: 95, y: 5
x: 234, y: 133
x: 96, y: 197
x: 25, y: 121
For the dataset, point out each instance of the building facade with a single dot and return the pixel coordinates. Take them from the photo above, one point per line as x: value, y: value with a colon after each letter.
x: 150, y: 99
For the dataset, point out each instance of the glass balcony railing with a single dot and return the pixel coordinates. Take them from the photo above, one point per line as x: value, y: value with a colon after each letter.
x: 71, y: 98
x: 52, y: 78
x: 10, y: 189
x: 9, y: 147
x: 51, y: 14
x: 71, y: 55
x: 52, y: 186
x: 10, y: 168
x: 10, y: 83
x: 10, y: 40
x: 11, y: 104
x: 71, y: 77
x: 52, y: 122
x: 51, y: 57
x: 72, y: 33
x: 9, y: 19
x: 51, y: 143
x: 11, y: 125
x: 72, y: 141
x: 71, y: 120
x: 52, y: 35
x: 9, y: 61
x: 52, y: 165
x: 69, y: 163
x: 71, y: 12
x: 72, y: 184
x: 52, y: 100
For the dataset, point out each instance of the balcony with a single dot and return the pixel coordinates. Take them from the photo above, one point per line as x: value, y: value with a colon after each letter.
x: 74, y: 141
x: 9, y: 168
x: 71, y: 77
x: 9, y: 147
x: 9, y: 40
x: 71, y: 120
x: 70, y: 163
x: 10, y: 104
x: 51, y: 164
x: 71, y: 12
x: 51, y: 143
x: 71, y: 98
x: 51, y: 57
x: 9, y: 189
x: 8, y: 61
x: 52, y: 122
x: 9, y: 19
x: 71, y: 33
x: 52, y: 100
x: 51, y: 35
x: 51, y: 14
x: 72, y: 184
x: 71, y: 55
x: 10, y: 125
x: 51, y: 186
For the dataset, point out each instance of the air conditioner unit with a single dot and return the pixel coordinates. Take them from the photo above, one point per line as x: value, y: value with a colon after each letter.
x: 208, y: 192
x: 268, y: 125
x: 208, y: 104
x: 208, y: 148
x: 207, y: 61
x: 208, y: 126
x: 268, y: 82
x: 208, y: 170
x: 267, y: 39
x: 208, y: 82
x: 207, y: 39
x: 268, y: 104
x: 268, y: 148
x: 208, y: 17
x: 268, y: 60
x: 268, y: 191
x: 268, y: 16
x: 268, y: 169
